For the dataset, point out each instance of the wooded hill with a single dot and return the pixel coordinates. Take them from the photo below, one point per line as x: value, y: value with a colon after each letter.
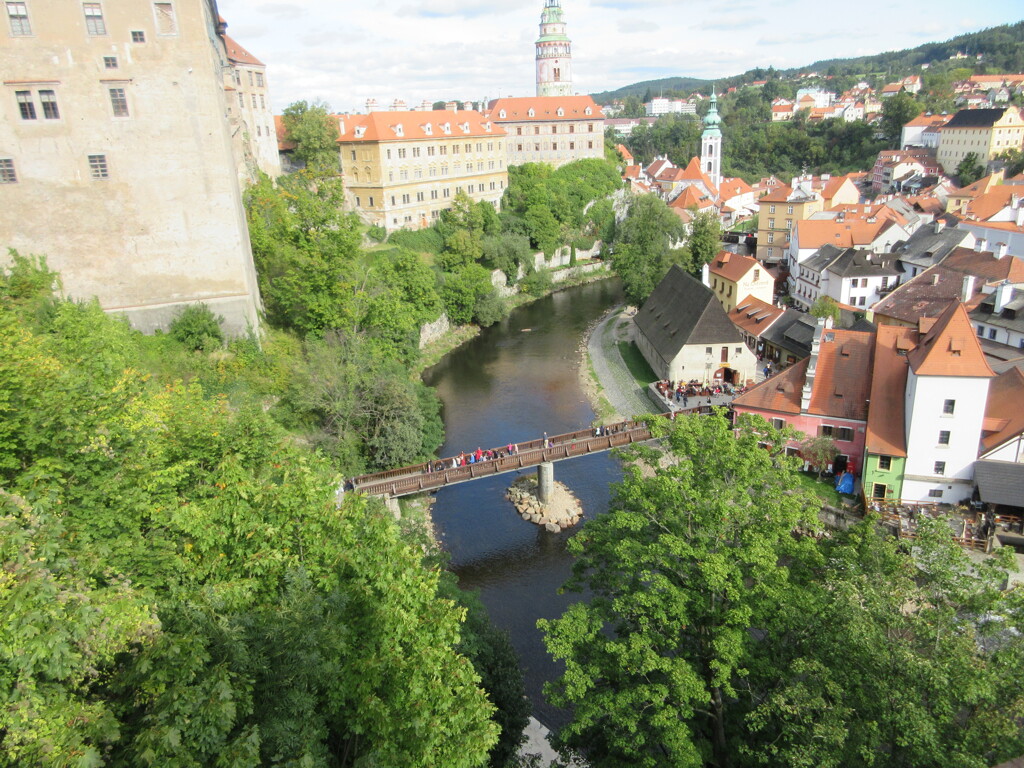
x: 1002, y: 50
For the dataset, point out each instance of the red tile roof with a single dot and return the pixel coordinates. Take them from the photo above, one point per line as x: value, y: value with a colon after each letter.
x: 778, y: 195
x: 238, y: 54
x: 732, y: 266
x: 733, y: 187
x: 545, y: 108
x: 1003, y: 411
x: 814, y: 233
x: 283, y: 144
x: 842, y: 377
x: 885, y: 431
x: 402, y: 126
x: 950, y: 348
x: 754, y: 316
x: 780, y: 393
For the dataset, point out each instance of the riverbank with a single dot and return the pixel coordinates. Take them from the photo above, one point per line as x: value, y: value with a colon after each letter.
x: 612, y: 391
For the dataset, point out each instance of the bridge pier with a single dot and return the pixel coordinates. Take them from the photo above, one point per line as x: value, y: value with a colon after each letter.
x: 545, y: 481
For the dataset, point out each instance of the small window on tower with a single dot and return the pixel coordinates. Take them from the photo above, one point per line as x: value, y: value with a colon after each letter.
x: 558, y: 74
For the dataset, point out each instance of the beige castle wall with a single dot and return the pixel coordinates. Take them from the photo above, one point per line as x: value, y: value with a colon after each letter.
x: 167, y: 227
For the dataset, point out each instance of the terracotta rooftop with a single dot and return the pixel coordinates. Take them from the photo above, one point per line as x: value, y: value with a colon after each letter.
x: 779, y: 194
x: 732, y: 266
x: 238, y: 54
x: 403, y: 126
x: 885, y: 431
x: 754, y: 316
x: 950, y: 348
x: 283, y: 144
x: 544, y: 108
x: 814, y: 233
x: 780, y: 393
x: 1003, y: 413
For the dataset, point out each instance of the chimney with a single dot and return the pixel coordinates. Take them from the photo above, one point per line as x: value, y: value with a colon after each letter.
x: 935, y: 278
x: 981, y: 244
x: 1004, y: 292
x: 371, y: 105
x: 1019, y: 218
x: 967, y: 288
x: 938, y: 225
x: 1000, y: 250
x: 704, y: 275
x: 451, y: 106
x: 812, y: 366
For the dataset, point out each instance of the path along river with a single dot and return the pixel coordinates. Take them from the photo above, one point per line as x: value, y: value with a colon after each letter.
x: 514, y: 381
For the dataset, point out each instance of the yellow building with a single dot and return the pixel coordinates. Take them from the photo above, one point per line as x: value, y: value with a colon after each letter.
x: 778, y: 211
x: 550, y: 129
x: 401, y: 169
x: 732, y: 276
x: 985, y: 132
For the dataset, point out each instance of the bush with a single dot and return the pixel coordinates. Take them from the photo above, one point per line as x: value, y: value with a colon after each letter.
x: 490, y: 309
x: 422, y: 240
x: 537, y: 283
x: 584, y: 243
x: 376, y: 233
x: 197, y: 328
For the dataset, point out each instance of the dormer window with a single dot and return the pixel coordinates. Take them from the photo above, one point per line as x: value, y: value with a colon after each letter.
x: 447, y: 127
x: 360, y: 130
x: 399, y: 130
x: 487, y: 127
x: 561, y: 112
x: 428, y: 129
x: 588, y: 111
x: 465, y: 127
x: 501, y: 114
x: 530, y: 112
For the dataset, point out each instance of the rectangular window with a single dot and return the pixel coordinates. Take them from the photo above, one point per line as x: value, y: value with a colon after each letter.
x: 110, y: 62
x: 94, y: 19
x: 119, y: 102
x: 885, y: 463
x: 939, y: 468
x: 843, y: 433
x: 949, y: 406
x: 572, y: 129
x: 771, y: 223
x: 778, y: 423
x: 250, y: 77
x: 981, y: 331
x: 165, y: 21
x: 401, y: 153
x: 359, y: 202
x: 419, y: 197
x: 259, y: 84
x: 371, y: 201
x: 241, y: 100
x: 590, y: 145
x: 879, y: 490
x: 725, y: 355
x: 254, y: 101
x: 771, y: 209
x: 26, y: 106
x: 18, y: 15
x: 263, y: 102
x: 415, y: 151
x: 98, y: 166
x: 789, y: 209
x: 49, y: 102
x: 944, y: 437
x: 992, y: 333
x: 825, y: 430
x: 138, y: 36
x: 7, y: 174
x: 935, y: 493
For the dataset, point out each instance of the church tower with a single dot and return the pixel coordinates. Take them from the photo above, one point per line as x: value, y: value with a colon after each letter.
x: 711, y: 143
x: 554, y: 54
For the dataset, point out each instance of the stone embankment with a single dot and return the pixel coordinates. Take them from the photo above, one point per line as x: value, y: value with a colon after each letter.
x: 561, y: 512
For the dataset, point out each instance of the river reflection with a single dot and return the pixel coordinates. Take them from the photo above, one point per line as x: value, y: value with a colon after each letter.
x: 515, y: 381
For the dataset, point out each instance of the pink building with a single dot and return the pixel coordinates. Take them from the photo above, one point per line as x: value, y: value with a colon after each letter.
x: 825, y: 394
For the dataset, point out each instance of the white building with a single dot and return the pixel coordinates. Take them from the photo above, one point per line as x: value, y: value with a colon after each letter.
x: 659, y: 106
x: 946, y: 392
x: 553, y: 53
x: 850, y: 276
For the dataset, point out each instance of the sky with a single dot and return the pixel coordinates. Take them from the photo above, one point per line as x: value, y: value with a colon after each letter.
x: 344, y: 52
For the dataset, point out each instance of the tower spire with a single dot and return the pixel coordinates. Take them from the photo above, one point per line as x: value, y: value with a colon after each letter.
x: 711, y: 142
x: 554, y: 53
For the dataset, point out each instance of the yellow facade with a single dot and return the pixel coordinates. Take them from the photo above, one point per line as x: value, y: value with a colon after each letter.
x: 401, y: 169
x: 985, y: 142
x: 777, y: 217
x: 757, y: 282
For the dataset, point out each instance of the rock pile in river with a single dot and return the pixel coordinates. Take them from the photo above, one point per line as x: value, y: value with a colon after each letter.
x: 561, y: 512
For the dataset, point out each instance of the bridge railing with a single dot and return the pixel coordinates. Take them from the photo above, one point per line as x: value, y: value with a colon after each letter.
x: 426, y: 476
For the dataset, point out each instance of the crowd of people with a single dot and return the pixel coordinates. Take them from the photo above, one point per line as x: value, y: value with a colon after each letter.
x: 682, y: 391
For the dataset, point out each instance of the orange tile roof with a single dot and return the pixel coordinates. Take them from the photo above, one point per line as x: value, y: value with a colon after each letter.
x: 631, y: 172
x: 733, y: 187
x: 780, y: 393
x: 384, y: 126
x: 732, y: 266
x: 283, y: 144
x: 238, y: 54
x: 778, y: 195
x: 545, y: 108
x: 626, y: 154
x: 980, y: 187
x: 950, y: 348
x: 925, y: 120
x: 842, y: 376
x: 832, y: 186
x: 1005, y: 395
x: 814, y: 233
x: 691, y: 197
x: 754, y: 316
x: 885, y: 432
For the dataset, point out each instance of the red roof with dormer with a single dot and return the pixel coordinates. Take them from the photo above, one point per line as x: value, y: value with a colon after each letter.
x: 950, y: 348
x: 544, y: 108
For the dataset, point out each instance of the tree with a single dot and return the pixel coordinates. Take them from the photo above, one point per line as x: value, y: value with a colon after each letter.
x: 819, y: 451
x: 197, y: 328
x: 690, y: 557
x: 705, y: 239
x: 897, y: 111
x: 826, y: 306
x: 315, y: 134
x: 970, y: 169
x: 643, y: 246
x: 1014, y: 159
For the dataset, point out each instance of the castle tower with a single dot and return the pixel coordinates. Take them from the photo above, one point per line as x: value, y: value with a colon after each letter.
x: 711, y: 143
x: 554, y: 54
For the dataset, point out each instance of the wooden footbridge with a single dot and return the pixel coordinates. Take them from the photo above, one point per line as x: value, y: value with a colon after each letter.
x: 439, y: 473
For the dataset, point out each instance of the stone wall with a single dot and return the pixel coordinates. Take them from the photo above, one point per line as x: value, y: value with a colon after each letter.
x: 431, y: 332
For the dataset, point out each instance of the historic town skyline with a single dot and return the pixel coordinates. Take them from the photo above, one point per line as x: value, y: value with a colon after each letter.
x: 468, y: 49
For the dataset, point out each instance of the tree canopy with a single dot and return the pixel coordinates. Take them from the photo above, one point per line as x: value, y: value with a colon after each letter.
x: 644, y: 246
x: 315, y: 134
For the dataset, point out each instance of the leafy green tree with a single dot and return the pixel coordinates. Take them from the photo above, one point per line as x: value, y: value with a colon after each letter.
x: 819, y: 451
x: 691, y: 556
x: 507, y: 252
x: 461, y: 291
x: 704, y: 240
x: 970, y: 169
x: 1014, y: 159
x: 643, y: 246
x: 197, y: 328
x: 897, y: 111
x: 315, y: 134
x: 826, y: 306
x: 543, y: 228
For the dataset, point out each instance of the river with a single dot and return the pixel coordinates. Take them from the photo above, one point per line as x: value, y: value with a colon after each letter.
x: 513, y: 382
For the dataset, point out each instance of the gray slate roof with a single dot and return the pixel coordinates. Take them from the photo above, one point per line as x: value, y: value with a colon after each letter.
x: 1011, y: 317
x: 682, y: 311
x: 925, y: 248
x: 1000, y: 482
x: 975, y: 118
x: 794, y: 332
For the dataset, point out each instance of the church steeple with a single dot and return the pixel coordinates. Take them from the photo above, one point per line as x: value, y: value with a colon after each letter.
x: 711, y: 143
x: 554, y: 53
